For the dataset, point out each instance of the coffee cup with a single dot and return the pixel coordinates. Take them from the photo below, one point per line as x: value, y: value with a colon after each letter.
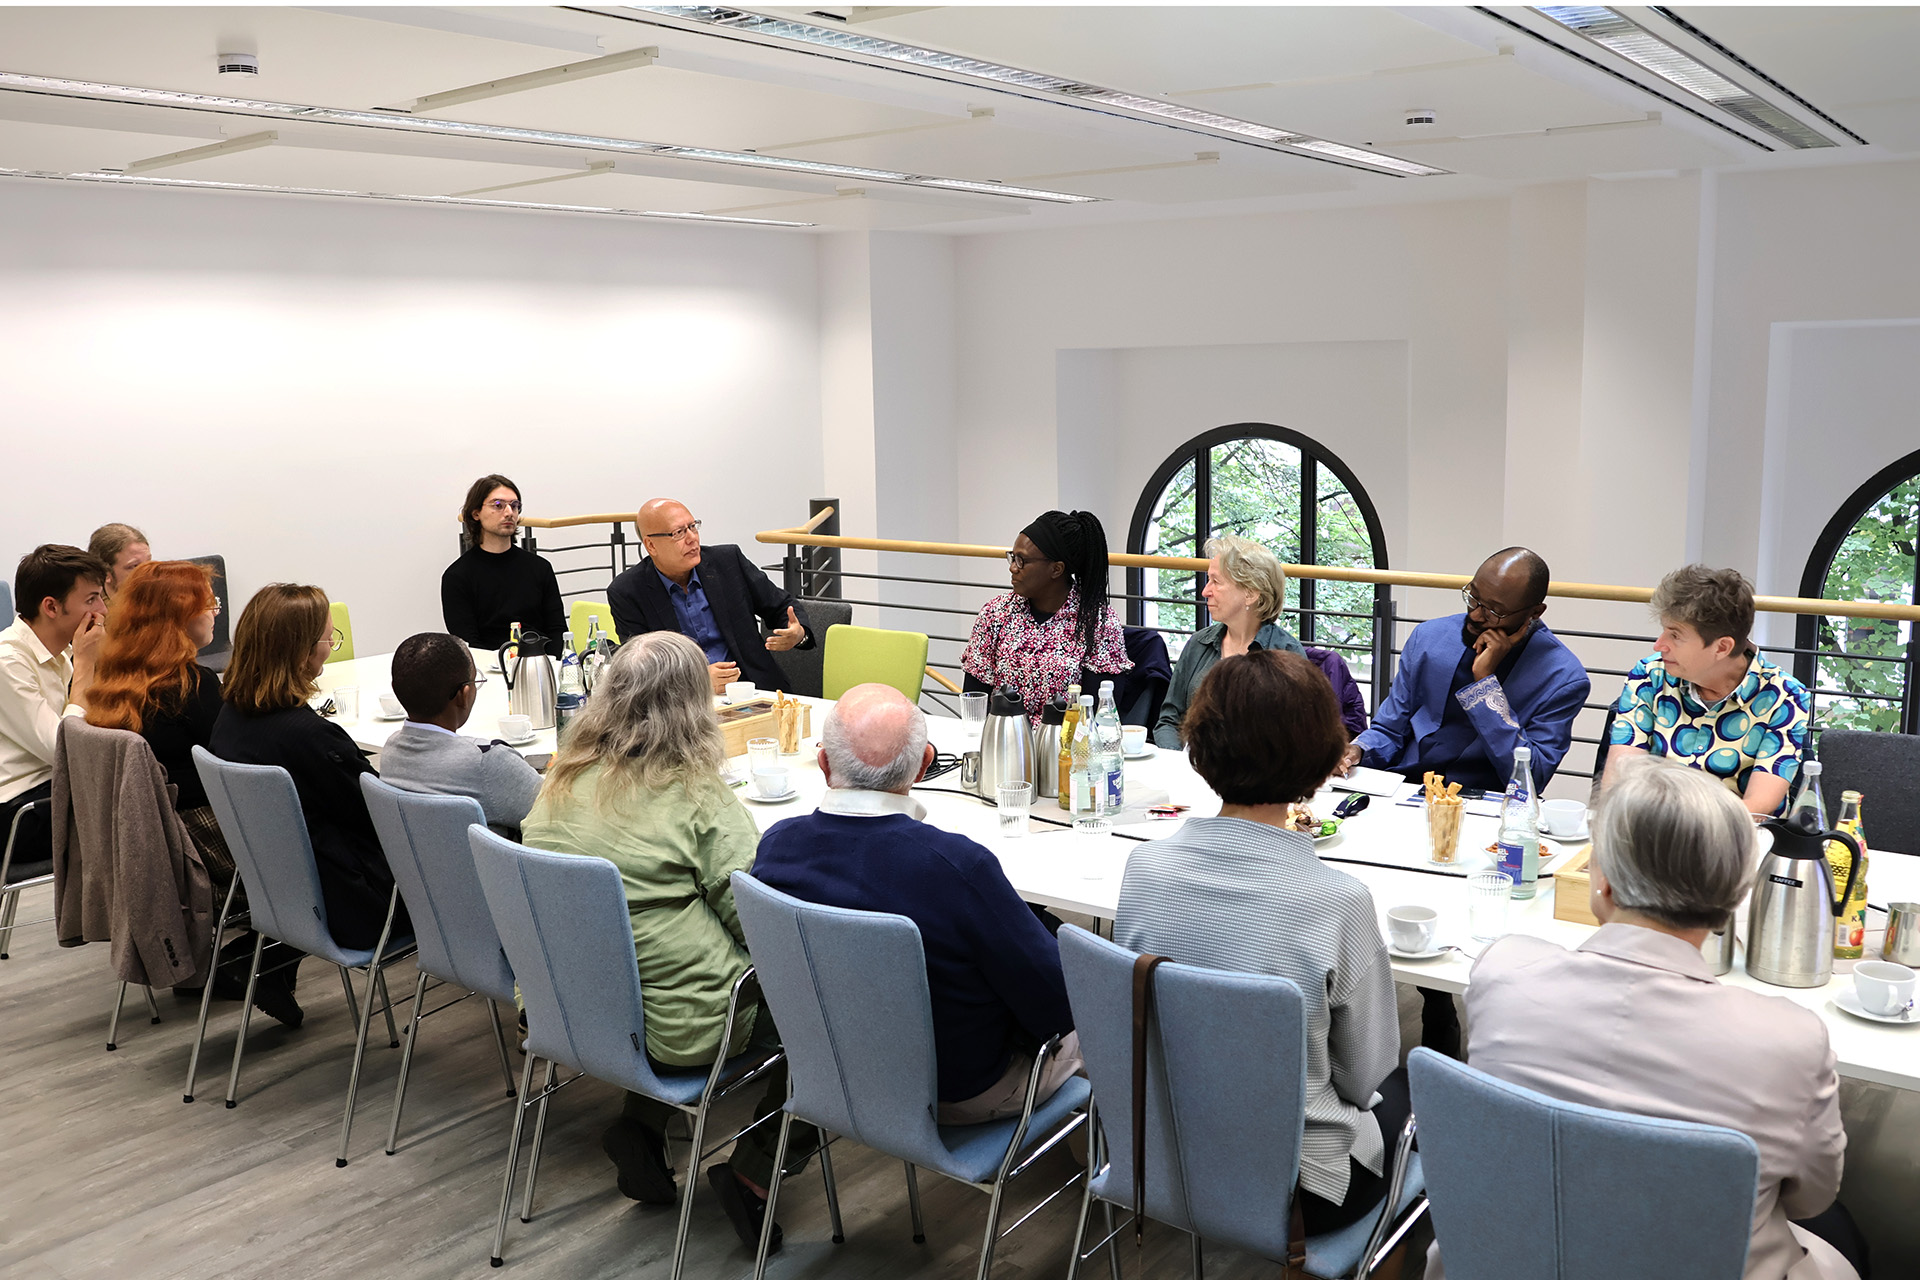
x: 1133, y: 738
x: 1884, y: 988
x: 516, y: 728
x: 740, y: 691
x: 770, y: 783
x: 1563, y: 817
x: 1412, y: 929
x: 390, y: 705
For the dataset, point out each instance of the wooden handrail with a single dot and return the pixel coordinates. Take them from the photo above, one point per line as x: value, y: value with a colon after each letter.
x: 1327, y: 573
x: 567, y: 522
x: 947, y: 684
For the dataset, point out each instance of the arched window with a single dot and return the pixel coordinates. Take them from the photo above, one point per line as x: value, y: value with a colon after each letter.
x: 1862, y: 678
x: 1273, y: 486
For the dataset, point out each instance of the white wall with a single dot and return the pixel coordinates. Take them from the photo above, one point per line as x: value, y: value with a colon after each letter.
x: 308, y: 386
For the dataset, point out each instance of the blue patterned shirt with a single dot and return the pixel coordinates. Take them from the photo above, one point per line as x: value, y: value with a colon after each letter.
x: 1762, y: 725
x: 695, y: 616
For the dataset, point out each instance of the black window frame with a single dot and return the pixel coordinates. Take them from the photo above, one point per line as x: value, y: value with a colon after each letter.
x: 1813, y: 582
x: 1198, y: 450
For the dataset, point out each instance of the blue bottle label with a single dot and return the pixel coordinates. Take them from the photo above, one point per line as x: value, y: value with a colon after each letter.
x: 1512, y: 859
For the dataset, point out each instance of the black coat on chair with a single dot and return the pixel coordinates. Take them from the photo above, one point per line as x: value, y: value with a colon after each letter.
x: 737, y: 592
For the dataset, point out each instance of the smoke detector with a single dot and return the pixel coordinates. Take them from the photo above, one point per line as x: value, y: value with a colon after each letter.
x: 1419, y: 116
x: 238, y: 64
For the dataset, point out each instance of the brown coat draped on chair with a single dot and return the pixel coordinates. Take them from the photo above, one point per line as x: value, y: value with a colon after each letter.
x: 124, y: 868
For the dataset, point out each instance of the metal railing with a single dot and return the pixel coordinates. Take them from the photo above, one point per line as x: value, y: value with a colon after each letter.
x: 812, y: 570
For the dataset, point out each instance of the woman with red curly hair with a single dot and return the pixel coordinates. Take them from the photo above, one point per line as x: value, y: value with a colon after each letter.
x: 146, y: 681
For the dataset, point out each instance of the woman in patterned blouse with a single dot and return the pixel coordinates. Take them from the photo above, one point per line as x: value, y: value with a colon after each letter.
x: 1055, y: 628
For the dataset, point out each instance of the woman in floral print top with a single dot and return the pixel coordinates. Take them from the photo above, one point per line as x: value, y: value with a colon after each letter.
x: 1055, y: 628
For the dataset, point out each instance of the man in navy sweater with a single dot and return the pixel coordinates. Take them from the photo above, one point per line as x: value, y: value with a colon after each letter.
x: 993, y: 970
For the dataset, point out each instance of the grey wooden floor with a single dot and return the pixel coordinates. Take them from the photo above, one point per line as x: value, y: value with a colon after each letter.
x: 104, y: 1172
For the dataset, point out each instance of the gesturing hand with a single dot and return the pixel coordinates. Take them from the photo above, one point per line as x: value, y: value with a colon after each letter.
x: 788, y: 636
x: 1491, y: 648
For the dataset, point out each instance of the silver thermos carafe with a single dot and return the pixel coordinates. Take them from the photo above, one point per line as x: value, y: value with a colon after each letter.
x: 533, y: 687
x: 1006, y: 743
x: 1790, y: 926
x: 1046, y: 750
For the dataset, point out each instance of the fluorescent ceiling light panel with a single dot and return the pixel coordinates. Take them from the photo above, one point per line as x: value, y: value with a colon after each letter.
x: 1619, y: 34
x: 400, y: 122
x: 1173, y: 115
x: 211, y: 185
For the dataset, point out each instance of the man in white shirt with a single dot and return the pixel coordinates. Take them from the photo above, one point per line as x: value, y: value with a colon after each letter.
x: 432, y: 676
x: 46, y: 666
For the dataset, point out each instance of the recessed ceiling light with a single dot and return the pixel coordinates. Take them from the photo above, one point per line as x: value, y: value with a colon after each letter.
x: 1622, y: 35
x: 1073, y: 92
x: 207, y: 184
x: 55, y: 86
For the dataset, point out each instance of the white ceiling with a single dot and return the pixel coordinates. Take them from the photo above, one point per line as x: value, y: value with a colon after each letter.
x: 1511, y: 109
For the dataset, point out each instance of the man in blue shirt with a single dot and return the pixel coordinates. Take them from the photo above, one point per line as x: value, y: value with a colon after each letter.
x: 993, y: 970
x: 714, y: 596
x: 1471, y: 687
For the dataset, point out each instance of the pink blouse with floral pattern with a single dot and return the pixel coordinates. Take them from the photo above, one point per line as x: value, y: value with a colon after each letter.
x: 1011, y: 648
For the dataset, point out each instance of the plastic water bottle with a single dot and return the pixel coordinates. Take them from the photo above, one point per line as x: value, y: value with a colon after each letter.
x: 1089, y: 799
x: 570, y: 681
x: 1107, y: 743
x: 1520, y: 827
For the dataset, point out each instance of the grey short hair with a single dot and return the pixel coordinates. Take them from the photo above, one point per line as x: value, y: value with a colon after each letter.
x: 1675, y: 843
x: 1254, y: 568
x: 853, y: 772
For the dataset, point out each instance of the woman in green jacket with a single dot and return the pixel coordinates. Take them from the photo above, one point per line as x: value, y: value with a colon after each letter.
x: 637, y: 782
x: 1246, y: 588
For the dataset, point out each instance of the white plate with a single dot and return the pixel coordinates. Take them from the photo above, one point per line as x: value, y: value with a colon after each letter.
x: 758, y: 799
x: 1331, y: 835
x: 384, y: 716
x: 1847, y: 1000
x: 520, y: 742
x: 1142, y: 754
x: 1428, y: 954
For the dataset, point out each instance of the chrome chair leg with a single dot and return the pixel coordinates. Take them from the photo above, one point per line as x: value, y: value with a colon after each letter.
x: 913, y: 1204
x: 773, y: 1195
x: 406, y: 1060
x: 833, y: 1193
x: 353, y: 1006
x: 153, y: 1008
x: 246, y: 1017
x: 693, y: 1177
x: 113, y: 1023
x: 206, y: 993
x: 6, y: 920
x: 1199, y: 1263
x: 1113, y: 1244
x: 539, y: 1136
x: 1080, y: 1227
x: 366, y: 1018
x: 992, y: 1236
x: 500, y: 1039
x: 513, y: 1158
x: 386, y: 1006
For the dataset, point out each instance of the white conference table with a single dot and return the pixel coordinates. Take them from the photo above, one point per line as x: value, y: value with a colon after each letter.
x: 1384, y: 847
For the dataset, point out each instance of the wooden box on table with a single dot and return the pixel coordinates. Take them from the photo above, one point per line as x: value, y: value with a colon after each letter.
x: 748, y: 720
x: 1571, y: 884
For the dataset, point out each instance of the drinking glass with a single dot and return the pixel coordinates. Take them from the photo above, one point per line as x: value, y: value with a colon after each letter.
x: 1488, y: 893
x: 762, y: 753
x: 346, y: 704
x: 1015, y: 799
x: 973, y: 710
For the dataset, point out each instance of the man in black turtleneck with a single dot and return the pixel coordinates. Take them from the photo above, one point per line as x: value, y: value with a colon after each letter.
x: 495, y: 584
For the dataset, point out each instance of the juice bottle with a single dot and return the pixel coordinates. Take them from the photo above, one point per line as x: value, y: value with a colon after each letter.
x: 1850, y: 930
x: 1066, y: 746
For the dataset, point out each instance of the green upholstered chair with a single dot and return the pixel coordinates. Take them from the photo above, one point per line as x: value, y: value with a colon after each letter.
x: 577, y: 615
x: 343, y: 623
x: 870, y: 655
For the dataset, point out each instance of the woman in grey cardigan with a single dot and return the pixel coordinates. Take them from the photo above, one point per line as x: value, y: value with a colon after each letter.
x: 1245, y: 590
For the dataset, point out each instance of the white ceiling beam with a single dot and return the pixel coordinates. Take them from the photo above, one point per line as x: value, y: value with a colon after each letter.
x: 566, y: 74
x: 597, y: 167
x: 1200, y: 160
x: 977, y: 113
x: 251, y: 142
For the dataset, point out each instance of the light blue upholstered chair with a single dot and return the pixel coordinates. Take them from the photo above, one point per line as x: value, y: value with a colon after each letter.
x: 1226, y: 1095
x: 260, y: 816
x: 425, y: 838
x: 1602, y: 1194
x: 564, y: 925
x: 849, y: 990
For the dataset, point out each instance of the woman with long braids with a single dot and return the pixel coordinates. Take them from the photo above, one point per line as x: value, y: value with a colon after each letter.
x: 1055, y: 628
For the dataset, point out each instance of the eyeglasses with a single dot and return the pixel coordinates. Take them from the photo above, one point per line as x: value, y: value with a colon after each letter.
x: 691, y: 527
x: 335, y: 640
x: 1476, y: 605
x: 1017, y: 562
x: 498, y: 505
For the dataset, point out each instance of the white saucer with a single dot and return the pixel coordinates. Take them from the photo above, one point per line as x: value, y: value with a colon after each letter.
x: 1847, y: 1000
x: 1428, y: 954
x: 384, y: 716
x: 781, y: 799
x: 1144, y: 753
x: 1584, y: 833
x: 517, y: 742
